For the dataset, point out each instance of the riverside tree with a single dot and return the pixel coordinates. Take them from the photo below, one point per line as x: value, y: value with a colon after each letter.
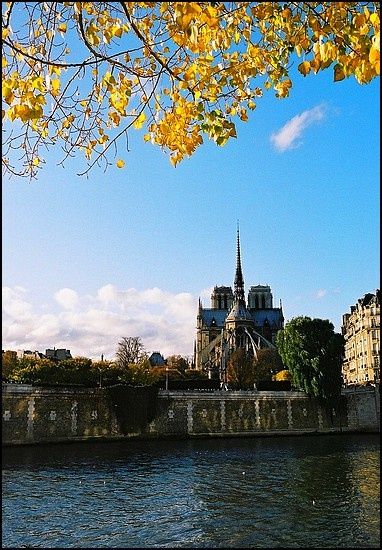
x: 130, y: 351
x: 177, y: 362
x: 82, y: 75
x: 312, y: 352
x: 267, y: 363
x: 240, y: 370
x: 132, y: 364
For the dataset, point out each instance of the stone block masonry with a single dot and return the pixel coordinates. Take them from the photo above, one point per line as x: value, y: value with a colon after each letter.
x: 33, y: 415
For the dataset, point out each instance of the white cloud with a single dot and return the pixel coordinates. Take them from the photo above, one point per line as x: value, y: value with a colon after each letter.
x: 321, y: 293
x: 106, y: 294
x: 92, y: 325
x: 67, y: 298
x: 287, y: 136
x: 14, y: 303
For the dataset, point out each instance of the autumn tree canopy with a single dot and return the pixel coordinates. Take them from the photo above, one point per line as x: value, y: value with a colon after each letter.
x: 240, y: 370
x: 267, y: 363
x: 82, y: 75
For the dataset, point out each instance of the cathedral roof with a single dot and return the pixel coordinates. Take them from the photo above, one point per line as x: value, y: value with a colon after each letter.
x: 274, y: 316
x: 218, y: 314
x: 239, y: 311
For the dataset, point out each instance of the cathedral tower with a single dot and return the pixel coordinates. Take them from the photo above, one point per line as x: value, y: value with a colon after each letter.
x: 231, y: 324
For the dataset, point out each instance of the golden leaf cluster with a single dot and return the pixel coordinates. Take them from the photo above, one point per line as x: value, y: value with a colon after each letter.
x: 83, y: 74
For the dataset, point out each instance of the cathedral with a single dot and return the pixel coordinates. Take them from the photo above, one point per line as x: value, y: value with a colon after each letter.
x: 233, y: 323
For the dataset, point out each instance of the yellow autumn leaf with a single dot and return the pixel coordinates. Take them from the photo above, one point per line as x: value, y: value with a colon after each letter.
x: 36, y: 161
x: 55, y: 87
x: 374, y: 56
x: 37, y: 83
x: 174, y: 159
x: 338, y: 73
x: 62, y: 27
x: 304, y: 68
x: 139, y: 121
x: 243, y: 115
x: 117, y: 30
x: 374, y: 19
x: 120, y: 163
x: 8, y: 95
x: 115, y: 118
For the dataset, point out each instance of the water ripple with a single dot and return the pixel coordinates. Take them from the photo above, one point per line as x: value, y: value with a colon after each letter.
x: 304, y: 492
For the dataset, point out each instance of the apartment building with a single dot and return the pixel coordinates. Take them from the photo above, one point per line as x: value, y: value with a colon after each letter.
x: 361, y: 331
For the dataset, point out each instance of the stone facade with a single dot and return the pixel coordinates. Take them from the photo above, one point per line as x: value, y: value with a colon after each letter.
x: 40, y: 415
x: 361, y: 331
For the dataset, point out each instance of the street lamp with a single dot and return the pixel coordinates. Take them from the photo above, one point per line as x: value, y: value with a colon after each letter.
x: 100, y: 373
x: 166, y: 378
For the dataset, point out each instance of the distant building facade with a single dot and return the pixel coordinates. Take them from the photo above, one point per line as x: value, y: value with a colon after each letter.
x: 233, y: 323
x: 26, y: 353
x: 361, y: 331
x: 58, y: 354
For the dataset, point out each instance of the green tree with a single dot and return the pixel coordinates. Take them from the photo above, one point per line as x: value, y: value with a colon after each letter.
x: 140, y: 374
x: 82, y: 75
x: 9, y: 365
x: 77, y: 370
x: 31, y: 370
x: 36, y: 371
x: 312, y: 352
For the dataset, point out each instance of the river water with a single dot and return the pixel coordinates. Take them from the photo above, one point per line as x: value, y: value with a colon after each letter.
x: 280, y: 492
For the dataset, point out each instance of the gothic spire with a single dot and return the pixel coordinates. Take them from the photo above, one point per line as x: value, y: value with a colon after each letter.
x: 239, y: 281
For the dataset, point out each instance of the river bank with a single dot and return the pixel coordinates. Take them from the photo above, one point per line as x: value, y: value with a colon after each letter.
x: 33, y: 415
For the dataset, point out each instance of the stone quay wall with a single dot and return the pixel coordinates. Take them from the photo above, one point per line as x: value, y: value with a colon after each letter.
x: 33, y: 415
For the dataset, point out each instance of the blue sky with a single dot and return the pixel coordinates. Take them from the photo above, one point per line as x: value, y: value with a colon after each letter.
x: 128, y: 252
